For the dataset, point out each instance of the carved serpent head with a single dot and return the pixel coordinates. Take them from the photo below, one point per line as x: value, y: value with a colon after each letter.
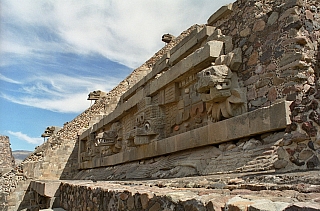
x: 107, y: 138
x: 214, y: 83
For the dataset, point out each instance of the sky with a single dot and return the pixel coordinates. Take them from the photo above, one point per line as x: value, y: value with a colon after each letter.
x: 54, y: 52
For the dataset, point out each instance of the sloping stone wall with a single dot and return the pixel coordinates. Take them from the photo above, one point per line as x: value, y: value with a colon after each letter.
x: 6, y: 159
x: 278, y: 40
x: 57, y: 158
x: 271, y: 46
x: 278, y: 43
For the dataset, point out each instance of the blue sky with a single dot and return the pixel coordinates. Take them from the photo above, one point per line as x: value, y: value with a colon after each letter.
x: 54, y: 52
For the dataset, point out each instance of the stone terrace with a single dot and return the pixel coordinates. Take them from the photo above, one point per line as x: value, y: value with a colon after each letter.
x: 272, y: 49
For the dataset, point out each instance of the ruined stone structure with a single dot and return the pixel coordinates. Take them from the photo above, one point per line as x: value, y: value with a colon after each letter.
x: 233, y: 103
x: 6, y: 158
x: 49, y: 131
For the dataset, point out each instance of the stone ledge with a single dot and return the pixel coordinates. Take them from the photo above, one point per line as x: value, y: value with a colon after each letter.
x: 220, y: 13
x: 274, y: 117
x: 47, y: 188
x: 193, y: 41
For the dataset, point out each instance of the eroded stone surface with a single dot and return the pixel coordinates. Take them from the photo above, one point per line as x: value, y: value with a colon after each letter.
x: 272, y: 47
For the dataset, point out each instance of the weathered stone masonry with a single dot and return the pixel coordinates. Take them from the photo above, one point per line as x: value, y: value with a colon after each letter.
x: 237, y: 95
x: 254, y: 54
x: 57, y: 158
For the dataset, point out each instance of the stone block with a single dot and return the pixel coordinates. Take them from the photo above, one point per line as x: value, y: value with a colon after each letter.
x: 170, y: 143
x: 235, y: 58
x: 259, y: 120
x: 161, y: 147
x: 279, y: 114
x: 200, y: 136
x: 186, y: 39
x: 183, y: 51
x: 100, y: 124
x: 95, y: 127
x: 295, y: 65
x: 237, y: 127
x: 189, y: 44
x: 183, y: 141
x: 203, y: 57
x: 46, y: 188
x: 85, y: 134
x: 205, y: 33
x: 290, y: 57
x: 171, y: 93
x: 262, y: 204
x: 218, y: 36
x: 161, y: 65
x: 221, y: 13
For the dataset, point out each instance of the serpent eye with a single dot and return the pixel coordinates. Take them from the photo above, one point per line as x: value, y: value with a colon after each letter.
x: 207, y: 73
x: 141, y: 118
x: 147, y: 126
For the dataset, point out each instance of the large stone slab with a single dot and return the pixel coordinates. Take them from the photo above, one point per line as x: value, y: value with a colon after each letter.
x: 46, y: 187
x: 221, y: 13
x: 272, y: 118
x: 194, y: 41
x: 195, y: 62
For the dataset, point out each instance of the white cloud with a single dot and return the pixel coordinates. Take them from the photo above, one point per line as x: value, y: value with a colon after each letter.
x: 24, y: 137
x: 9, y: 80
x: 128, y: 32
x: 59, y: 93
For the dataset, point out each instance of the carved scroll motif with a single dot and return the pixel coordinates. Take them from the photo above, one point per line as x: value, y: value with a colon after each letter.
x: 220, y: 91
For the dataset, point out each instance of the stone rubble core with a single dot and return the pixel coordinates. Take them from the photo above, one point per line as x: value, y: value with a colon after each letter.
x: 237, y: 95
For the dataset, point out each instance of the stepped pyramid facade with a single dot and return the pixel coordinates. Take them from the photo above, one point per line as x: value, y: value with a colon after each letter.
x: 223, y: 102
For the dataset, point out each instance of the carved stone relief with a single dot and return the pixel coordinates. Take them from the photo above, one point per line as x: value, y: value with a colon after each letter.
x: 88, y: 148
x: 49, y: 131
x: 175, y: 105
x: 220, y: 91
x: 149, y: 124
x: 110, y: 142
x: 95, y: 95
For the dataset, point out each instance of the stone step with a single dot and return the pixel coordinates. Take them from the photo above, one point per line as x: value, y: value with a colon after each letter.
x: 54, y: 209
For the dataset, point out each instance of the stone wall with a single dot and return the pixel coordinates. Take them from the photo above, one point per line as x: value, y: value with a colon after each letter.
x: 6, y: 159
x: 57, y: 158
x: 253, y: 154
x: 279, y: 43
x: 198, y: 194
x: 270, y: 49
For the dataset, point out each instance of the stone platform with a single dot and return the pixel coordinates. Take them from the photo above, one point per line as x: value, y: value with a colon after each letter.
x: 262, y: 191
